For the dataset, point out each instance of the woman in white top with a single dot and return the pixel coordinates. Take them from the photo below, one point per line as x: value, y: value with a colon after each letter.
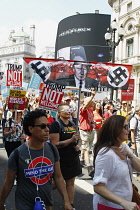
x: 114, y: 163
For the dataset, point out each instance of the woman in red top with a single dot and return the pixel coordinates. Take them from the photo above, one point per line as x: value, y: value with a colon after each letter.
x: 109, y: 112
x: 98, y: 118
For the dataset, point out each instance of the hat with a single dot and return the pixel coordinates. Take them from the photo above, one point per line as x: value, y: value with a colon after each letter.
x: 75, y: 96
x: 137, y: 107
x: 67, y: 98
x: 124, y: 102
x: 87, y: 99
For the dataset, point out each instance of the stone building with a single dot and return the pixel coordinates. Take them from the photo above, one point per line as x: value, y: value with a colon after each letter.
x: 19, y: 45
x: 127, y: 13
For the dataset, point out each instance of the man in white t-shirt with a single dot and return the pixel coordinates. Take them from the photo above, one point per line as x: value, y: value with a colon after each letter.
x: 74, y: 104
x: 135, y: 132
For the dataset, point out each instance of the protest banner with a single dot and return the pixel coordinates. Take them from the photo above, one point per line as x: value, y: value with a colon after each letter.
x: 128, y: 95
x: 82, y: 74
x: 50, y: 99
x: 14, y: 75
x: 16, y: 99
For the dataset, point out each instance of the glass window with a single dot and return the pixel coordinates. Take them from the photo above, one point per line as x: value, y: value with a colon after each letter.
x: 129, y: 7
x: 130, y: 44
x: 130, y: 27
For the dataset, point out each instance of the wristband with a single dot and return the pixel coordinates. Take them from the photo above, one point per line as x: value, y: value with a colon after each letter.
x: 132, y: 142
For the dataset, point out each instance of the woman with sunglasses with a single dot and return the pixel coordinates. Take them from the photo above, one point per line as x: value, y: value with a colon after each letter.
x: 114, y: 162
x: 63, y: 136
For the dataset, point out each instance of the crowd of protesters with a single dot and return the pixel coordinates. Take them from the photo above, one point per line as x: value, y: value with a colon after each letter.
x: 92, y: 116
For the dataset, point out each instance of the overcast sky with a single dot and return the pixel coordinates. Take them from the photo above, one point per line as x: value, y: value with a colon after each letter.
x: 45, y: 15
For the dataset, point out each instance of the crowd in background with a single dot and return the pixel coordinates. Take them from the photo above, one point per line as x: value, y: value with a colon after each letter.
x: 73, y: 130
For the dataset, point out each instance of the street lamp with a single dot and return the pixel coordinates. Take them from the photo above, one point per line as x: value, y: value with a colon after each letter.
x: 111, y: 41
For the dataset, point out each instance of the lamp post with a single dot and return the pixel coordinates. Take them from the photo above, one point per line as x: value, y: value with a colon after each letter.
x: 110, y: 37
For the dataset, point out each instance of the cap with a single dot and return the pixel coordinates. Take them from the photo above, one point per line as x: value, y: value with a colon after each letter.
x: 137, y: 107
x: 75, y: 96
x: 124, y: 102
x: 67, y: 98
x: 87, y: 99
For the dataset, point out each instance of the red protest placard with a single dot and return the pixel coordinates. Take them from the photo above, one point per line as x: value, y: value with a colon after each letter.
x: 128, y: 95
x: 42, y: 85
x: 50, y: 98
x: 14, y: 78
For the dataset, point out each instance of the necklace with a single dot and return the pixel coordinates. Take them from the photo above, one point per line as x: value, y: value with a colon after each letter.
x: 36, y: 180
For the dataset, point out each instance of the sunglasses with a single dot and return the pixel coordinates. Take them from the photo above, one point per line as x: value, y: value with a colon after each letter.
x: 42, y: 126
x: 126, y: 127
x: 67, y: 110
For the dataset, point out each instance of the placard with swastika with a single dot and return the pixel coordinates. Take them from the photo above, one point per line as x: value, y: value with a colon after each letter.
x: 118, y: 76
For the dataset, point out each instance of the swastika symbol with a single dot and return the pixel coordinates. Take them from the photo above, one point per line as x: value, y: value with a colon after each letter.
x: 118, y: 76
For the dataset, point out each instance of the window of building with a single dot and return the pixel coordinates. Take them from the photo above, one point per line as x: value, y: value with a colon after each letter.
x: 130, y: 45
x: 129, y: 7
x: 130, y: 27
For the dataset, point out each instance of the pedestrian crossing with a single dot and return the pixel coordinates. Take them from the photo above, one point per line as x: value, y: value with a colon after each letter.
x: 84, y: 185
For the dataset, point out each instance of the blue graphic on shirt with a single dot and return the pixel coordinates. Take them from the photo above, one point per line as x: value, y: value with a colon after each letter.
x: 38, y: 171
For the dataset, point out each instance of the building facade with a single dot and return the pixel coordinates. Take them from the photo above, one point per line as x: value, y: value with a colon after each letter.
x: 127, y: 13
x: 19, y: 45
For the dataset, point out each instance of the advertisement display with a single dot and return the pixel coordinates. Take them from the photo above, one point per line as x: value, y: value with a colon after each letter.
x: 81, y: 37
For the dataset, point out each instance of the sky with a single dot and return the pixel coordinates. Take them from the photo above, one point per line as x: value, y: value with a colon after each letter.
x: 45, y: 15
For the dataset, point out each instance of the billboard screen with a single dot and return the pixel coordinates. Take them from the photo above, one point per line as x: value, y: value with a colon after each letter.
x: 81, y: 37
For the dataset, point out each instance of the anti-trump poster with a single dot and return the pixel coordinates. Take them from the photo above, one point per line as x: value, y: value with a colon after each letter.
x: 82, y: 74
x: 50, y: 99
x: 14, y: 75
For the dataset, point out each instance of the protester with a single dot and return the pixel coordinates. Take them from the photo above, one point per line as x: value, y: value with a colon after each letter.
x: 98, y: 118
x: 34, y: 163
x: 109, y: 112
x: 114, y: 162
x: 13, y: 132
x: 6, y: 113
x: 63, y: 136
x: 74, y: 104
x: 1, y: 110
x: 87, y: 132
x: 135, y: 132
x: 123, y: 110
